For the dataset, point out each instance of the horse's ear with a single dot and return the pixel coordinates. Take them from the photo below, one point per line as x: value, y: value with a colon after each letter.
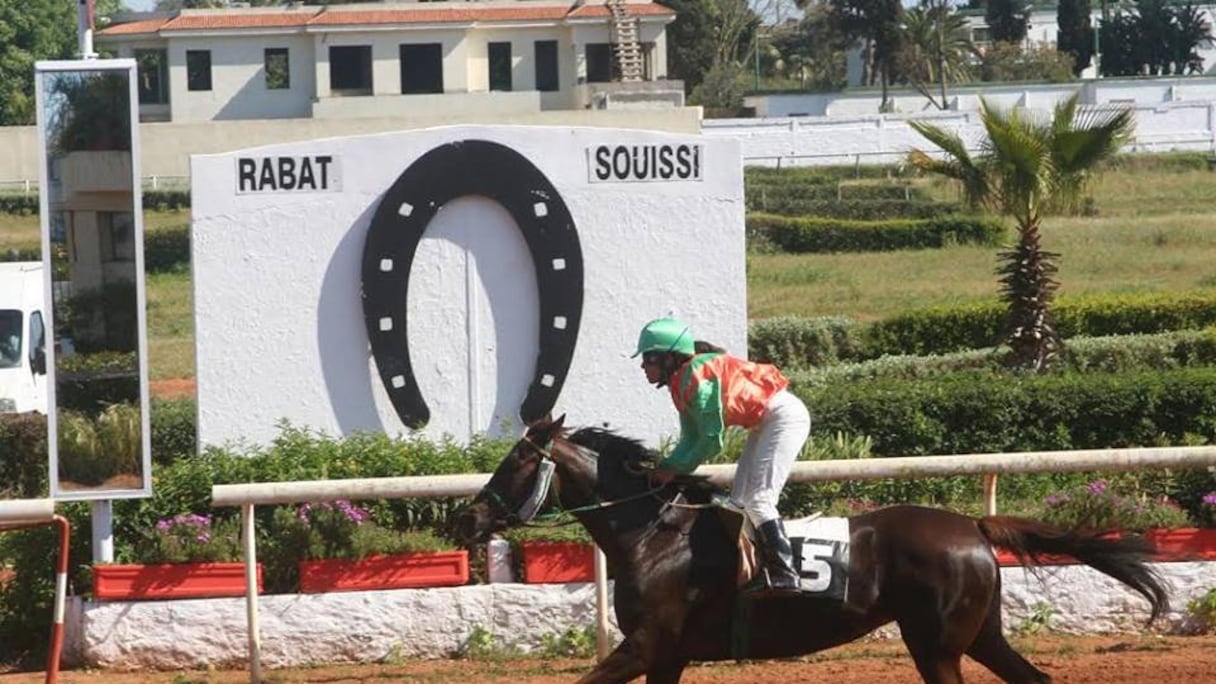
x: 546, y: 427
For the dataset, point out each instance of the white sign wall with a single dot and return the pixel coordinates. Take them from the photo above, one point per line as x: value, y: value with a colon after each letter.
x: 287, y: 240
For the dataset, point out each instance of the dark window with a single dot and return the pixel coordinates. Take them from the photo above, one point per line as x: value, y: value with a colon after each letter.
x: 500, y: 66
x: 198, y: 69
x: 350, y: 69
x: 117, y: 235
x: 421, y: 68
x: 546, y: 65
x: 600, y: 65
x: 37, y: 335
x: 152, y: 67
x: 278, y: 69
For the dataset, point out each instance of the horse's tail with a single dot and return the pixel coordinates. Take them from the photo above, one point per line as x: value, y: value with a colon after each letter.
x: 1122, y: 558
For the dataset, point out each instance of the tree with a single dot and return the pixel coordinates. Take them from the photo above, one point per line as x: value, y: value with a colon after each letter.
x: 1008, y: 20
x: 708, y: 35
x: 813, y: 52
x: 1154, y: 38
x: 876, y: 23
x: 935, y: 48
x: 1025, y: 168
x: 30, y: 31
x: 1076, y: 36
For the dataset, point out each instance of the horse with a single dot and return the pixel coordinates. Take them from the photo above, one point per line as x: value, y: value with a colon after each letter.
x: 677, y: 593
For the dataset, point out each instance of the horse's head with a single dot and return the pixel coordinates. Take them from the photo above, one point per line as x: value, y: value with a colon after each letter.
x: 520, y: 486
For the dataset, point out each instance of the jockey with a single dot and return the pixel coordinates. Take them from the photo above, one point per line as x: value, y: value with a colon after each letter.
x: 712, y: 390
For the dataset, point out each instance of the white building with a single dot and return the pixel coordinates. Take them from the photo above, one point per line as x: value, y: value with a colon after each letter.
x: 401, y: 58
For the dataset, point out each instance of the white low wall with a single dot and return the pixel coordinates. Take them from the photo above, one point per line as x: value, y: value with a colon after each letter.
x: 433, y: 623
x: 887, y: 138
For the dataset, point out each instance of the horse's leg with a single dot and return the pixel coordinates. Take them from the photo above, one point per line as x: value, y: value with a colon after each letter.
x: 622, y: 665
x: 665, y: 674
x: 938, y: 660
x: 992, y: 651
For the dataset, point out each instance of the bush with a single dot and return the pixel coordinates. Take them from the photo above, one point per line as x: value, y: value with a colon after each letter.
x: 23, y: 466
x: 971, y: 412
x: 791, y: 342
x: 857, y: 210
x: 191, y: 538
x: 1096, y: 506
x: 174, y: 426
x: 825, y: 235
x: 167, y: 249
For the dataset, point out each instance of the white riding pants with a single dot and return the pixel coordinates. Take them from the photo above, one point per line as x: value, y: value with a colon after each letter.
x: 770, y: 451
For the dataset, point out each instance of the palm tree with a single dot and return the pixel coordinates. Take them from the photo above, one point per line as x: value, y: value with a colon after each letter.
x: 1026, y: 168
x: 936, y: 48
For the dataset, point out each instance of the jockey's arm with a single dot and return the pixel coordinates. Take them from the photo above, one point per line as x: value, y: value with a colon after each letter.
x: 701, y: 429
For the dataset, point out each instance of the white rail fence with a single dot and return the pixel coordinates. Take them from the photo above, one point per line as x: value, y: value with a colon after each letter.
x: 247, y: 496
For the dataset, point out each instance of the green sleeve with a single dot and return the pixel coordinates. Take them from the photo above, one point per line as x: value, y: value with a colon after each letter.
x: 701, y: 429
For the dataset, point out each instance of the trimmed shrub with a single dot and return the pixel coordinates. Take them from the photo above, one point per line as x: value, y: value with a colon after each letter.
x: 166, y: 200
x: 167, y: 249
x: 826, y: 235
x: 21, y: 205
x: 23, y: 467
x: 858, y: 210
x: 989, y: 413
x: 791, y: 342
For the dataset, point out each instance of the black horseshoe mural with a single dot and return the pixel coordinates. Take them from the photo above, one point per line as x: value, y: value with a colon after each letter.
x: 471, y: 167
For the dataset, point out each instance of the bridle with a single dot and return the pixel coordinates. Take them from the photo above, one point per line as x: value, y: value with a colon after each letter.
x: 542, y: 487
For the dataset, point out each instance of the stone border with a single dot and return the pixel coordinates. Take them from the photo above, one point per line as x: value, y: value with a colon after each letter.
x: 373, y: 626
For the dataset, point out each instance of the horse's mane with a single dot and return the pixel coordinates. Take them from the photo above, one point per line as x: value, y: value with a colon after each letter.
x: 609, y: 444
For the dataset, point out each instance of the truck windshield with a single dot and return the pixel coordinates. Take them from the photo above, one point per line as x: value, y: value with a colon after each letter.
x: 10, y: 338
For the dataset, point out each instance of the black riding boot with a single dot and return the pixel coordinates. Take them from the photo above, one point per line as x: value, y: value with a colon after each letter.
x: 778, y: 557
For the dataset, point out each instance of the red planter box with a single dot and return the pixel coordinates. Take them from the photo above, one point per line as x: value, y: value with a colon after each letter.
x: 409, y: 571
x: 557, y: 562
x: 1182, y: 544
x: 170, y: 581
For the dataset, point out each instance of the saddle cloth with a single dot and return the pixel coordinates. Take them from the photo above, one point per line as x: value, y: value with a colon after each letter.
x: 821, y: 552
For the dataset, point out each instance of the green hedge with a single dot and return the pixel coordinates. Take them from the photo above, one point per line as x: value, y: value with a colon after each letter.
x: 167, y: 249
x: 860, y: 210
x: 1114, y: 354
x: 161, y: 200
x: 795, y: 342
x: 21, y: 205
x: 825, y: 235
x: 948, y: 329
x: 23, y: 466
x: 980, y: 413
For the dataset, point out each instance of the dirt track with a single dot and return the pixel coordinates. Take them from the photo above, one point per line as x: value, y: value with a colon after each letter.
x: 1069, y: 660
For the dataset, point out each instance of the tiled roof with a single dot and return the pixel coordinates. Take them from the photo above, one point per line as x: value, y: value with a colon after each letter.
x: 135, y: 27
x: 337, y: 17
x: 237, y: 20
x: 423, y: 14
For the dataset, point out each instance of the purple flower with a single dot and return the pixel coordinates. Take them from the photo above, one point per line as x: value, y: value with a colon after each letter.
x: 1056, y: 499
x: 1097, y: 487
x: 1210, y: 498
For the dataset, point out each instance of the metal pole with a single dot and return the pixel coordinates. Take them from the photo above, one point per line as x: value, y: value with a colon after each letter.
x: 84, y: 28
x: 602, y: 644
x: 103, y: 531
x: 249, y: 543
x: 61, y: 593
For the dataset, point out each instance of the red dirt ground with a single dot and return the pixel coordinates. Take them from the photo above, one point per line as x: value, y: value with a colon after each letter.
x: 175, y: 388
x: 1069, y: 660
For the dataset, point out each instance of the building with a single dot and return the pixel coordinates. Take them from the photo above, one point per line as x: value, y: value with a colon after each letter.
x: 398, y: 58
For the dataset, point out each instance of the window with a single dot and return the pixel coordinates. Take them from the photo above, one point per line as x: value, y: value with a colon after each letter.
x: 152, y: 68
x: 601, y: 67
x: 198, y: 69
x: 421, y: 68
x: 350, y: 69
x: 37, y: 336
x: 117, y: 235
x: 546, y: 65
x: 500, y: 66
x: 10, y: 338
x: 278, y: 69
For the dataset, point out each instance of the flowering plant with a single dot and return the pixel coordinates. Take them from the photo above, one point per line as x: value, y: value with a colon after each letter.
x: 1095, y: 506
x: 339, y: 529
x: 191, y: 538
x: 1207, y: 510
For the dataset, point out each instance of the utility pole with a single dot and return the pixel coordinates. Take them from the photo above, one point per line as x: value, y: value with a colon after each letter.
x: 941, y: 49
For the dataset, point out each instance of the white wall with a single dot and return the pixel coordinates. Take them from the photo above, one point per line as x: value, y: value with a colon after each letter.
x: 238, y: 80
x: 279, y: 327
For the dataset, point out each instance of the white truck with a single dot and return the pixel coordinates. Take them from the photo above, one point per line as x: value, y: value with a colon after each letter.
x: 22, y: 338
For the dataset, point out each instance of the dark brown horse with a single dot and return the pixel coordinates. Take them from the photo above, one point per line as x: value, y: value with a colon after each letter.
x: 931, y: 571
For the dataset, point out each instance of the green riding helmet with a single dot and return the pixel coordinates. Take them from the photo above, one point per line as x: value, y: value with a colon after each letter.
x: 665, y: 335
